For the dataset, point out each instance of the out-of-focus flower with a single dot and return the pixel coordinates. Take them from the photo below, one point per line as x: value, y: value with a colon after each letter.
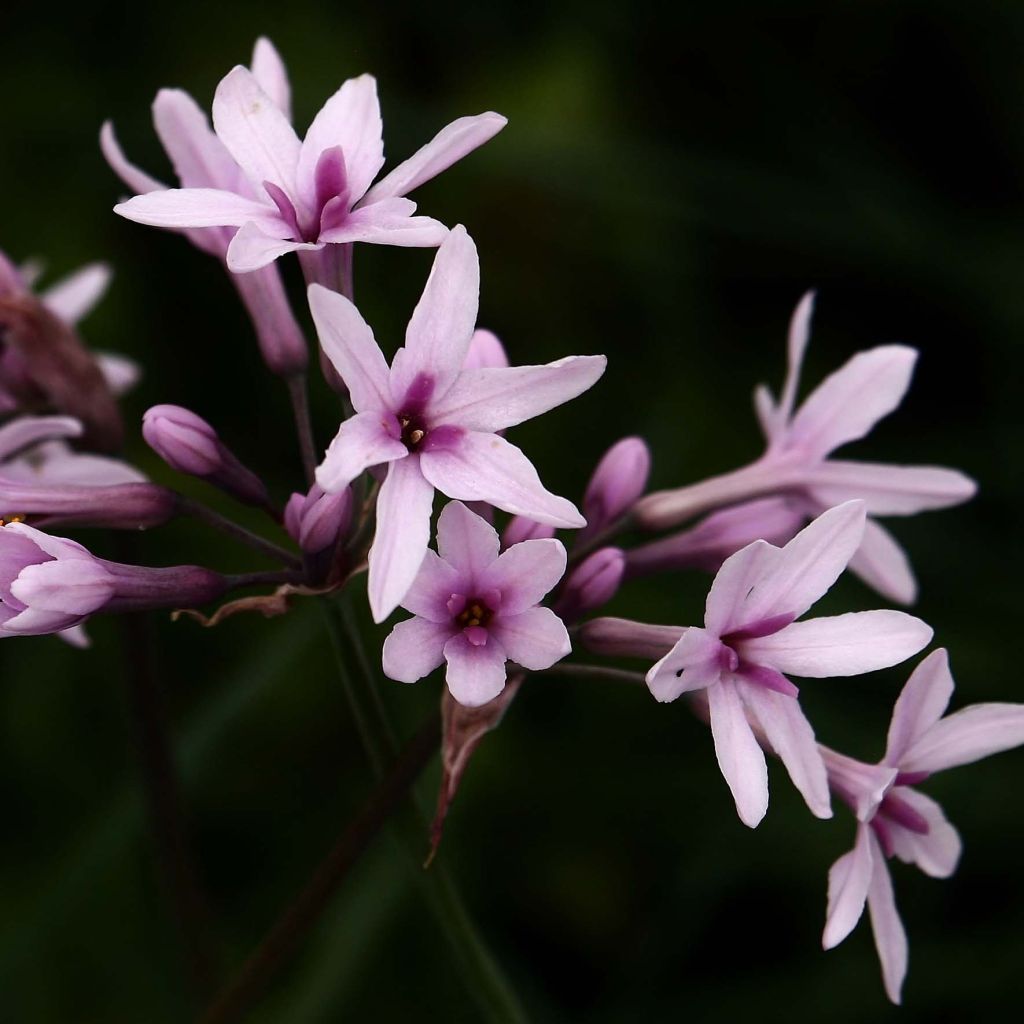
x: 895, y: 820
x: 750, y: 642
x: 476, y: 609
x: 843, y: 408
x: 434, y: 422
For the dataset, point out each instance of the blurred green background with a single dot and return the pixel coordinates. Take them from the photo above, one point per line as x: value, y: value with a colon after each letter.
x: 671, y: 180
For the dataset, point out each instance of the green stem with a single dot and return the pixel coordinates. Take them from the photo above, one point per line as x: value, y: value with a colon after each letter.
x: 490, y: 988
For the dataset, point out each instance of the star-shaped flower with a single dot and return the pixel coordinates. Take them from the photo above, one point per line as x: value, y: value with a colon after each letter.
x: 434, y: 422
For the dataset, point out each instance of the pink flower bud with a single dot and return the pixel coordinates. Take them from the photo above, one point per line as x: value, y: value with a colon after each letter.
x: 591, y: 584
x: 315, y: 521
x: 187, y: 443
x: 621, y: 638
x: 130, y: 506
x: 520, y: 528
x: 618, y: 481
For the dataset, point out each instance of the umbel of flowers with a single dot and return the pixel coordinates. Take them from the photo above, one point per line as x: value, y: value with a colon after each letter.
x: 425, y: 433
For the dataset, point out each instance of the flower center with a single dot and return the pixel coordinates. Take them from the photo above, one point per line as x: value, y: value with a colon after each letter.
x: 476, y: 613
x: 414, y: 430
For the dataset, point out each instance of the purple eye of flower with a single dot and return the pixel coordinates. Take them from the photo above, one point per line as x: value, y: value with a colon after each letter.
x: 476, y: 613
x: 414, y: 430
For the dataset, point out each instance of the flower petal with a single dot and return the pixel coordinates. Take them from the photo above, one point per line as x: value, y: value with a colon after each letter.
x: 120, y: 372
x: 485, y: 467
x: 882, y: 564
x: 475, y: 675
x: 135, y: 178
x: 199, y: 158
x: 808, y: 565
x: 889, y: 490
x: 433, y: 588
x: 447, y: 147
x: 201, y: 208
x: 349, y: 119
x: 362, y: 441
x: 739, y: 755
x: 862, y: 786
x: 535, y: 638
x: 414, y: 648
x: 732, y: 585
x: 840, y: 645
x: 848, y: 882
x: 492, y: 399
x: 252, y: 249
x: 485, y: 350
x: 466, y: 541
x: 525, y: 572
x: 792, y: 739
x: 348, y: 342
x: 75, y: 586
x: 692, y: 664
x: 936, y: 853
x: 386, y: 224
x: 439, y: 332
x: 967, y: 735
x: 796, y: 346
x: 890, y: 938
x: 847, y: 404
x: 403, y: 533
x: 268, y: 69
x: 74, y: 296
x: 24, y: 431
x: 921, y: 703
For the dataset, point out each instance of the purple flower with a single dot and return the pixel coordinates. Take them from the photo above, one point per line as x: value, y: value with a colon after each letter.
x: 897, y: 821
x: 751, y: 641
x: 843, y: 408
x: 476, y: 609
x: 433, y: 421
x: 202, y: 162
x: 300, y: 195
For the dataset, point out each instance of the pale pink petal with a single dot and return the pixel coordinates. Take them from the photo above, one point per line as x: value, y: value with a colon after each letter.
x: 268, y: 69
x: 252, y: 249
x: 764, y: 410
x: 198, y: 156
x: 201, y: 208
x: 475, y: 675
x: 19, y: 433
x: 348, y: 342
x: 493, y: 399
x: 485, y: 467
x: 862, y: 786
x: 465, y: 540
x: 808, y: 565
x: 362, y: 441
x: 75, y: 586
x: 882, y: 564
x: 848, y: 882
x: 732, y: 585
x: 388, y: 223
x: 120, y: 372
x: 75, y: 295
x: 535, y: 638
x: 349, y: 119
x: 56, y: 547
x: 921, y: 703
x: 403, y: 533
x: 485, y: 350
x: 936, y: 853
x: 847, y: 404
x: 525, y: 572
x: 889, y: 490
x: 890, y: 938
x: 450, y: 145
x: 55, y: 463
x: 692, y: 664
x: 438, y: 335
x: 76, y: 636
x: 967, y: 735
x: 792, y: 739
x: 799, y: 335
x: 840, y: 645
x: 739, y: 755
x: 135, y: 178
x: 433, y: 588
x: 414, y: 648
x: 256, y: 132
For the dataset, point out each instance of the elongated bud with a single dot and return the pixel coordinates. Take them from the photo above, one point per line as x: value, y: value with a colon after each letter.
x: 187, y: 443
x: 144, y: 588
x: 316, y: 521
x: 708, y: 544
x: 618, y: 481
x: 520, y: 528
x: 131, y: 506
x: 591, y: 584
x: 623, y: 638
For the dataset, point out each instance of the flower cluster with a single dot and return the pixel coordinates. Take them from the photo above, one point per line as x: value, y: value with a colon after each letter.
x: 492, y: 606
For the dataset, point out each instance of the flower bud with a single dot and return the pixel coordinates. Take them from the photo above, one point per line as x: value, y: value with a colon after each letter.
x: 485, y: 352
x: 621, y: 638
x: 187, y: 443
x: 520, y: 528
x: 591, y: 584
x: 315, y: 521
x: 620, y: 478
x: 130, y: 506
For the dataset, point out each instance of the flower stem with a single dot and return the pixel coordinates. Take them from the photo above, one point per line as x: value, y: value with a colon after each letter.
x: 494, y: 996
x: 205, y: 514
x: 299, y: 396
x: 621, y: 675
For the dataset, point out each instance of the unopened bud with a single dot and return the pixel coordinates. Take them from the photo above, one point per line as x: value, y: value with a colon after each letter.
x: 618, y: 481
x: 591, y: 584
x: 622, y: 638
x: 520, y: 528
x: 315, y: 521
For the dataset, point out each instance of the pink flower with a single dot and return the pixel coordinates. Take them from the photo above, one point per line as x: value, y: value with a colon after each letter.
x: 897, y: 821
x: 476, y: 609
x: 434, y: 422
x: 750, y: 642
x: 300, y: 195
x: 843, y: 408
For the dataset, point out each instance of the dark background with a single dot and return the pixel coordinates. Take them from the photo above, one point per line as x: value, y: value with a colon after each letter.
x: 671, y: 180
